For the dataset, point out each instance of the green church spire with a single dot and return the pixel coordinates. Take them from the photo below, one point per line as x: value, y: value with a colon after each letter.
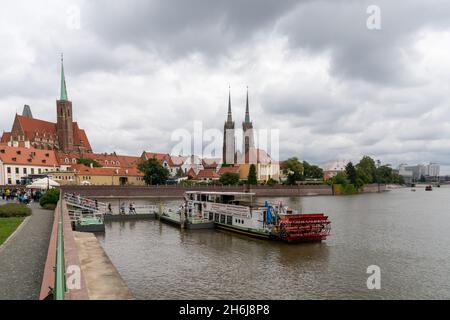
x: 63, y: 82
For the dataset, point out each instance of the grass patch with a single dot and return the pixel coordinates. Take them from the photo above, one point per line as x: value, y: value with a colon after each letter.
x: 14, y: 210
x: 8, y: 226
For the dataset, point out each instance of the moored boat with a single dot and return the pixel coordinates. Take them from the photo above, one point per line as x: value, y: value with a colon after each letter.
x: 428, y: 188
x: 237, y: 212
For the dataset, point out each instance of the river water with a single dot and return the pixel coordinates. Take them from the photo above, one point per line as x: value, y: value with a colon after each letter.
x: 405, y: 233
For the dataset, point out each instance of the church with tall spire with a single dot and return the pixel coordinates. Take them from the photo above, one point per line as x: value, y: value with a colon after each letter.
x: 64, y: 135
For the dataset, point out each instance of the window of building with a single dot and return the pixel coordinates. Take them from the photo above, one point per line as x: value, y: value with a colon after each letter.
x: 8, y: 169
x: 39, y: 170
x: 24, y: 170
x: 17, y: 170
x: 32, y: 170
x: 9, y: 181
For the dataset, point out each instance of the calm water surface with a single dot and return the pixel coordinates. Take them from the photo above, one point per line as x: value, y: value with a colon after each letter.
x: 405, y: 233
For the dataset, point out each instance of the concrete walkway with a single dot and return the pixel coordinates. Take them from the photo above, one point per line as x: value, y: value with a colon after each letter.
x: 22, y: 258
x: 102, y: 279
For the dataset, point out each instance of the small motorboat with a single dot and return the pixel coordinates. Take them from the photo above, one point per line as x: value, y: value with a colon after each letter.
x: 429, y: 188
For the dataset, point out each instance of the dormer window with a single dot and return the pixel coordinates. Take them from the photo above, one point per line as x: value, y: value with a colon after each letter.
x: 18, y: 152
x: 44, y: 161
x: 66, y: 160
x: 74, y: 161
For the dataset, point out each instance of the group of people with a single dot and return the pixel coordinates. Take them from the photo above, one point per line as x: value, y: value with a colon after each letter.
x: 24, y: 196
x: 131, y: 208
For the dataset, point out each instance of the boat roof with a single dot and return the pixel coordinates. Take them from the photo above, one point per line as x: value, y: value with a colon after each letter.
x: 227, y: 193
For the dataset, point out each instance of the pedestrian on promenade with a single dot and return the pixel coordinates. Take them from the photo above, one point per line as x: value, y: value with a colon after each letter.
x: 122, y: 208
x: 132, y: 209
x: 110, y: 208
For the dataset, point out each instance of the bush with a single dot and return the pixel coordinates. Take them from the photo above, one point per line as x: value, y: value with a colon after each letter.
x: 49, y: 206
x: 14, y: 210
x: 50, y: 197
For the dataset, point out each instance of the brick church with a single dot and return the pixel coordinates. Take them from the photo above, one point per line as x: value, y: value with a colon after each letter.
x: 65, y: 135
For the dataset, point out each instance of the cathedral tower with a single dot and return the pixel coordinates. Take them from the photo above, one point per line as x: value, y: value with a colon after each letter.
x: 229, y: 148
x: 247, y: 127
x: 64, y: 122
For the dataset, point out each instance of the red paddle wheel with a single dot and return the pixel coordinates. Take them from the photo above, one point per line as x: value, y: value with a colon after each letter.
x: 304, y: 227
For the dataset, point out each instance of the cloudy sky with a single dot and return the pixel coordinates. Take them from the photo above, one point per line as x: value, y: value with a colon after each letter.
x: 137, y: 71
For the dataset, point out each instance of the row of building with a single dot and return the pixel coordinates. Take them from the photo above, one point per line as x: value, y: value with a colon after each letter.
x: 18, y: 164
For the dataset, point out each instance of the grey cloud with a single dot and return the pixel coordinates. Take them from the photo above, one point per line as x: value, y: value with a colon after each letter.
x: 358, y: 53
x: 177, y: 28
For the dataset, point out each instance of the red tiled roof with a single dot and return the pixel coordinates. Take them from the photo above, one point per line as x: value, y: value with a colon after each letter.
x: 129, y: 161
x: 178, y: 161
x: 80, y: 138
x: 211, y: 163
x: 228, y: 170
x: 104, y: 159
x: 6, y: 137
x: 207, y: 174
x: 28, y: 156
x: 161, y: 157
x: 82, y: 169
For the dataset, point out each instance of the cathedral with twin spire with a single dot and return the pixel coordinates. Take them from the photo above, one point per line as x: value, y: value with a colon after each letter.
x: 230, y: 154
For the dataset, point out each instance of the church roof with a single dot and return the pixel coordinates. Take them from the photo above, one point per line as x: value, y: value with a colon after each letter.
x: 35, y: 127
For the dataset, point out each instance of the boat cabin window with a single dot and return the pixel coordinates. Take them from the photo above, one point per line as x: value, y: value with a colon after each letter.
x: 229, y: 220
x: 222, y: 218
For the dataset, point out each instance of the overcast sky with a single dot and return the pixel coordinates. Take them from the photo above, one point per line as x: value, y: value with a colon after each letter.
x: 138, y: 70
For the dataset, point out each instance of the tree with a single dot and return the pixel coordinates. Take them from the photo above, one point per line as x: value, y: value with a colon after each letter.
x: 312, y: 171
x: 367, y: 170
x: 252, y: 178
x: 154, y: 172
x: 229, y: 178
x: 341, y: 178
x: 179, y: 173
x: 351, y: 173
x: 88, y: 161
x: 271, y: 182
x: 293, y: 169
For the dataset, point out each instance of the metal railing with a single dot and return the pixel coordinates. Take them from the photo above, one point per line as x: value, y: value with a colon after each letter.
x: 59, y: 289
x: 86, y: 204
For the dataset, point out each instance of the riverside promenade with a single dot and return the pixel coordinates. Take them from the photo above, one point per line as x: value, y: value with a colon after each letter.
x: 22, y: 257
